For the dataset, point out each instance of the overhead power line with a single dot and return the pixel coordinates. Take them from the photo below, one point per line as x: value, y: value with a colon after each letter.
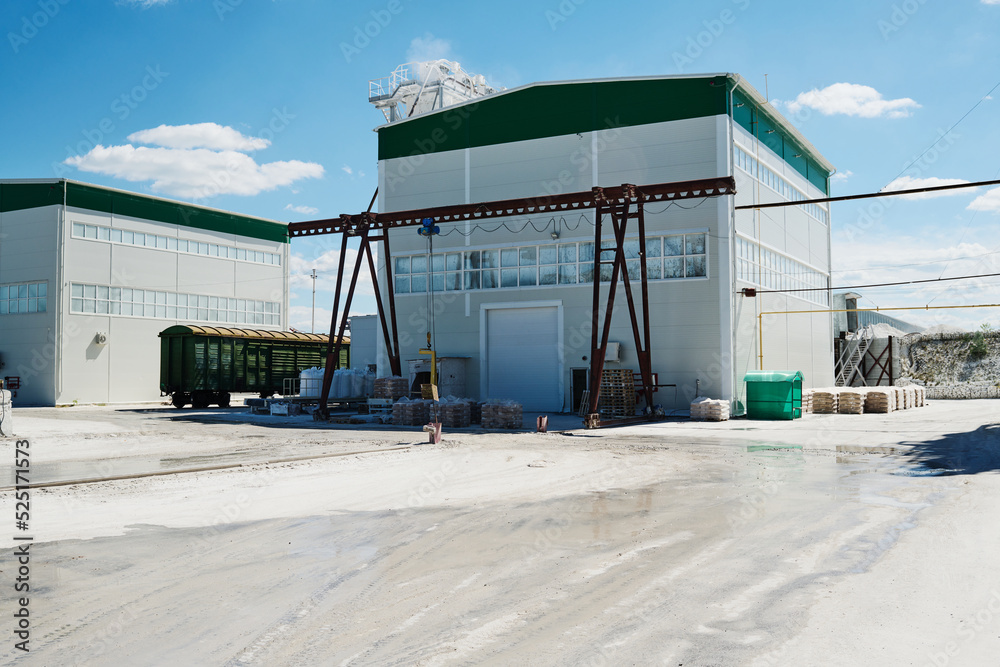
x: 948, y: 131
x: 905, y: 282
x: 890, y: 193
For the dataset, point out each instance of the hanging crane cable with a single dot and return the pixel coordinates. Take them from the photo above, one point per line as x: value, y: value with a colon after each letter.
x: 429, y: 229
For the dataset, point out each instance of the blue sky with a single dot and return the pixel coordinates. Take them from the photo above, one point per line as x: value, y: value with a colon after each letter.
x: 278, y: 92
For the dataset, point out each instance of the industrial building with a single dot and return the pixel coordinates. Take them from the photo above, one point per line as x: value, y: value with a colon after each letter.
x: 847, y: 320
x: 90, y: 275
x: 512, y: 296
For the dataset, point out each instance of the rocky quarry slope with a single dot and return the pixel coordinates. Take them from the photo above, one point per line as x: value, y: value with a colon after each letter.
x: 949, y: 364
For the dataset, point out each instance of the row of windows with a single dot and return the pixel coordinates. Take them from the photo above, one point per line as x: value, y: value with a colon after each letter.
x: 104, y: 300
x: 99, y: 233
x: 759, y: 170
x: 770, y: 270
x: 23, y: 298
x: 667, y: 257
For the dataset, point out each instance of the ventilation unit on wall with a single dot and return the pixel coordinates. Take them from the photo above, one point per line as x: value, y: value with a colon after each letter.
x: 614, y: 352
x: 101, y: 338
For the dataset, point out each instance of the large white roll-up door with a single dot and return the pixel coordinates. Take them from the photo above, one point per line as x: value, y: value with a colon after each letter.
x: 522, y: 356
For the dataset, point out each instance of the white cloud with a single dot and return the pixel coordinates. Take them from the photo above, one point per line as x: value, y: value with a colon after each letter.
x: 852, y: 99
x: 841, y: 176
x: 200, y: 135
x: 990, y: 201
x: 864, y: 261
x: 910, y: 183
x: 145, y: 4
x: 991, y: 2
x: 427, y: 48
x: 326, y: 264
x: 349, y: 170
x: 304, y: 210
x: 301, y: 318
x: 193, y: 163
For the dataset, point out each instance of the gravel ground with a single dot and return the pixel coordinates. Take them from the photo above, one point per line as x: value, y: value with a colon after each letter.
x: 842, y: 540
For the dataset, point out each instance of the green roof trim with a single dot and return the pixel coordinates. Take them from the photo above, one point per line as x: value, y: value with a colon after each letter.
x: 20, y: 196
x: 772, y: 131
x: 554, y: 109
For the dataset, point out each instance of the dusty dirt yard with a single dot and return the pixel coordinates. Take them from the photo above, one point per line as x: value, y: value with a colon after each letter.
x: 231, y: 540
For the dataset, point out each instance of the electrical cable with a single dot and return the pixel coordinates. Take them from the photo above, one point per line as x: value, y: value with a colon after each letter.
x: 867, y: 195
x: 848, y: 287
x: 948, y: 131
x: 905, y: 266
x: 968, y: 225
x: 504, y: 225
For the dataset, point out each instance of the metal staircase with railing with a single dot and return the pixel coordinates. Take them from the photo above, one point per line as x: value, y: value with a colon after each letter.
x: 849, y: 363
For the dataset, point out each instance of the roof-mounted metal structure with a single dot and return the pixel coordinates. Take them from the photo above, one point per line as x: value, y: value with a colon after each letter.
x: 420, y: 87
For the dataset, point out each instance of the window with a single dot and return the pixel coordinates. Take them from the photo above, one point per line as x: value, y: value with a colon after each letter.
x: 101, y: 299
x: 765, y: 175
x: 160, y: 242
x: 667, y: 257
x: 23, y: 298
x: 770, y: 270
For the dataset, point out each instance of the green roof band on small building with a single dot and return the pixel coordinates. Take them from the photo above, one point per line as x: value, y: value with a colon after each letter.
x: 21, y: 196
x: 543, y: 110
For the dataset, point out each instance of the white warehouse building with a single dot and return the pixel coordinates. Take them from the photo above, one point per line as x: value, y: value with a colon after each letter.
x: 513, y: 296
x: 90, y: 275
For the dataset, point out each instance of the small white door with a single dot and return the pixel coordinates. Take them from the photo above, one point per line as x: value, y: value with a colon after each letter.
x: 522, y: 356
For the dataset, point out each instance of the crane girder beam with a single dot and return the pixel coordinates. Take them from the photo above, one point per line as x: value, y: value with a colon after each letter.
x: 352, y: 224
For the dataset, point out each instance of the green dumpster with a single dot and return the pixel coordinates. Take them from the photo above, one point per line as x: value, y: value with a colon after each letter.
x: 774, y: 394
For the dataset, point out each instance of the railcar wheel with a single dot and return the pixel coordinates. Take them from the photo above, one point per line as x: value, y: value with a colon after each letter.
x: 223, y: 399
x: 200, y: 400
x: 180, y: 399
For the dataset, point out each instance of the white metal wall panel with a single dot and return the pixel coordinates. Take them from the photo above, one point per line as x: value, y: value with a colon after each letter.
x: 436, y: 179
x: 28, y: 254
x: 680, y: 150
x: 539, y: 167
x: 127, y: 367
x: 522, y: 356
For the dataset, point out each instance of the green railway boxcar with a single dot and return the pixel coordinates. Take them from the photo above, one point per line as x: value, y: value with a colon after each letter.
x: 203, y: 365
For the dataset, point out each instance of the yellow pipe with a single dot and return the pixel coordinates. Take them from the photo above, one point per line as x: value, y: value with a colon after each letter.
x: 760, y: 343
x: 434, y: 374
x: 760, y: 317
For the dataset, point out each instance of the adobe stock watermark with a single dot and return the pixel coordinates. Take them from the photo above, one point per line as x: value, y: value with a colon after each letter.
x: 121, y: 108
x: 223, y: 7
x: 233, y: 509
x: 704, y: 39
x: 43, y: 355
x: 969, y: 628
x: 279, y: 121
x: 432, y: 484
x: 899, y: 17
x: 365, y: 32
x: 104, y: 637
x: 557, y: 526
x: 401, y: 169
x: 31, y: 25
x: 875, y: 211
x: 583, y: 158
x: 562, y: 12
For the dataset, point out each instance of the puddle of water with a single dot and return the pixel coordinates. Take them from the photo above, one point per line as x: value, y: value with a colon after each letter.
x: 774, y: 448
x: 923, y: 472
